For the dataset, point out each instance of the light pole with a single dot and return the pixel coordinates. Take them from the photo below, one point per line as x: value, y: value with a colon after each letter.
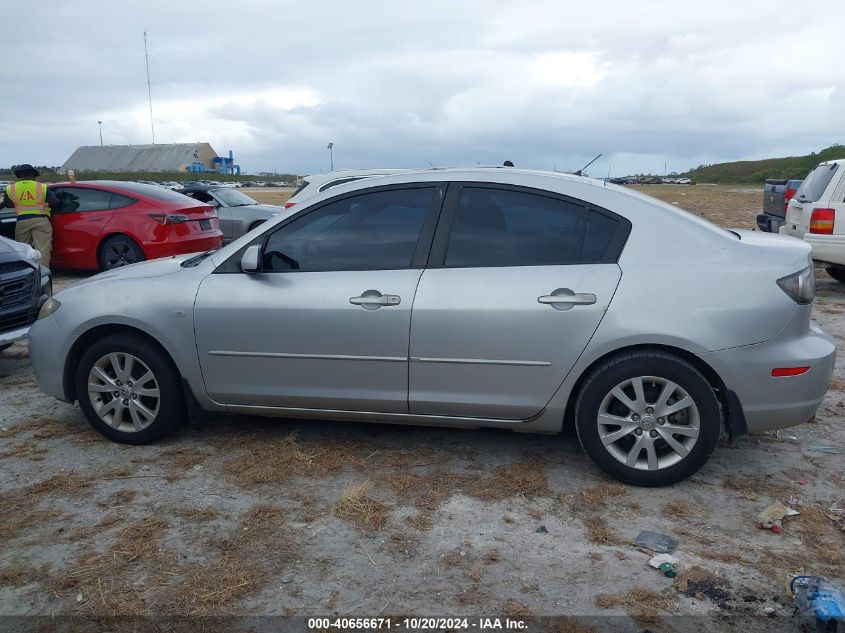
x: 331, y: 155
x: 100, y: 123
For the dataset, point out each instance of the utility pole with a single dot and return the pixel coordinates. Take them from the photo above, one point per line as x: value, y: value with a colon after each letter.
x: 149, y: 89
x: 331, y: 155
x: 100, y: 123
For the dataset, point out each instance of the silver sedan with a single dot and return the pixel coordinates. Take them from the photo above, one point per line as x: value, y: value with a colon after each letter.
x: 237, y: 212
x: 470, y: 298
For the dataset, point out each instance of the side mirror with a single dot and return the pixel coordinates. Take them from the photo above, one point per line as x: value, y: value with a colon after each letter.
x: 251, y: 260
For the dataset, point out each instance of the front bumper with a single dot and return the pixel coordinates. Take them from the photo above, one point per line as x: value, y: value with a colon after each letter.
x: 48, y: 349
x: 7, y: 338
x: 773, y: 403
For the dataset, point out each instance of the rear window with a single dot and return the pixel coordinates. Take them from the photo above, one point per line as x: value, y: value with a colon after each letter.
x: 150, y: 191
x: 815, y: 184
x: 304, y: 184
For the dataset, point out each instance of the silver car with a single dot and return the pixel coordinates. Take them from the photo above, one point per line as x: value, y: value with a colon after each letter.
x: 470, y: 298
x: 237, y: 212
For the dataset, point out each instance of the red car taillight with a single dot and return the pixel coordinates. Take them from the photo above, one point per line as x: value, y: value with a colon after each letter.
x: 169, y: 218
x: 288, y: 205
x: 821, y: 221
x: 787, y: 196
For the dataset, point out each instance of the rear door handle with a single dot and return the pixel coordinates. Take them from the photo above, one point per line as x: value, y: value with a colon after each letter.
x: 566, y: 299
x: 373, y: 300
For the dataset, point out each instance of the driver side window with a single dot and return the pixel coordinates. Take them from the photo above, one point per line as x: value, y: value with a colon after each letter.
x: 372, y: 231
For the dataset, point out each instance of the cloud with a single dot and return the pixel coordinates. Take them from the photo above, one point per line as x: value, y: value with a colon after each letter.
x: 542, y: 83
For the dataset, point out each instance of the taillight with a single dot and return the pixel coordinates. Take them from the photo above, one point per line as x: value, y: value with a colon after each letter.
x: 821, y: 221
x: 288, y: 205
x: 169, y: 218
x: 800, y: 286
x: 787, y: 196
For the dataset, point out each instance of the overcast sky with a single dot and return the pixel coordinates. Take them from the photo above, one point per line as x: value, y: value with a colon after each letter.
x: 403, y: 84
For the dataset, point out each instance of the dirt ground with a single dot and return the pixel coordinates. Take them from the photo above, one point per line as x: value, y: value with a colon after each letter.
x: 260, y: 516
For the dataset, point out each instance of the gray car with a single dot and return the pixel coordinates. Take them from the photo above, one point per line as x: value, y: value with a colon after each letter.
x: 237, y: 212
x: 471, y: 298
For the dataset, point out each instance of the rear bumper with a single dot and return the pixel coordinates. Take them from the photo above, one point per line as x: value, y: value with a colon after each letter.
x: 827, y: 249
x: 769, y: 222
x: 772, y: 403
x: 183, y: 245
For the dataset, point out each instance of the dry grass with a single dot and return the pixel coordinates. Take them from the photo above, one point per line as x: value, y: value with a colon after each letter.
x: 679, y: 509
x: 599, y: 533
x: 357, y: 505
x: 19, y: 575
x: 753, y: 488
x: 185, y: 458
x: 195, y: 513
x: 263, y: 462
x: 124, y: 496
x: 525, y: 479
x: 492, y: 557
x: 516, y: 610
x: 821, y: 536
x: 597, y: 496
x: 566, y: 624
x: 641, y: 604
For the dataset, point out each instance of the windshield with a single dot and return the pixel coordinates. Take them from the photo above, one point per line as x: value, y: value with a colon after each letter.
x: 814, y: 185
x: 233, y: 197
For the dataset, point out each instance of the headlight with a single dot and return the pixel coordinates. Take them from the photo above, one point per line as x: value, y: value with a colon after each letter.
x: 49, y: 307
x: 33, y: 256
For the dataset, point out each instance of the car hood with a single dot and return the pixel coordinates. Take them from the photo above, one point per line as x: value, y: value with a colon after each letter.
x: 11, y: 247
x: 141, y: 270
x: 270, y: 209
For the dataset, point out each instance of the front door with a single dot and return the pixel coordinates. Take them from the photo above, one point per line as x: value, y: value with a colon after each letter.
x: 78, y: 221
x: 325, y: 324
x: 517, y: 284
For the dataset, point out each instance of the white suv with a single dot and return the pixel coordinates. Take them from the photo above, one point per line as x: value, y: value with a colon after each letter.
x: 318, y: 183
x: 816, y: 214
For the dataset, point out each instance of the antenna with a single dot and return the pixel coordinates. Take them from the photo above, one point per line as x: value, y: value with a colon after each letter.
x: 580, y: 171
x: 149, y: 89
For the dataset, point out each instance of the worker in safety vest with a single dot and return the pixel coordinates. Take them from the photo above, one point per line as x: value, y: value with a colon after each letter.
x: 31, y: 201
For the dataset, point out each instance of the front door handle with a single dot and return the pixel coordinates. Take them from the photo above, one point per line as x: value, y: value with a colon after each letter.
x: 373, y: 300
x: 565, y: 299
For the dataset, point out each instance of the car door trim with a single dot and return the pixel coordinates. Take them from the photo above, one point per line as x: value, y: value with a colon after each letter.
x: 482, y: 361
x: 387, y: 359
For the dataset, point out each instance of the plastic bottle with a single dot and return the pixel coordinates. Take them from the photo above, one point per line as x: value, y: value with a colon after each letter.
x: 821, y: 604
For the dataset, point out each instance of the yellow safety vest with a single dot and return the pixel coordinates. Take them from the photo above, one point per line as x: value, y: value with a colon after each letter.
x: 29, y: 197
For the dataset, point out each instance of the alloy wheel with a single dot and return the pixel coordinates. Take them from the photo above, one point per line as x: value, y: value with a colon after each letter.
x: 124, y: 392
x: 648, y: 423
x: 119, y: 254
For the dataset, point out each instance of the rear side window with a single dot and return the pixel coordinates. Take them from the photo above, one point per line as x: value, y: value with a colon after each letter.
x: 495, y: 227
x: 815, y: 184
x: 118, y: 201
x: 304, y: 184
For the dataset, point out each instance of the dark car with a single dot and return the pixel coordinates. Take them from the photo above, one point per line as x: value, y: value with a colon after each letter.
x: 237, y: 212
x: 776, y: 196
x: 24, y: 287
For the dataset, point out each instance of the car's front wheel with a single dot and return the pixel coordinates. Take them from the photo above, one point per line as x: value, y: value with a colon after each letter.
x: 648, y: 418
x: 129, y: 390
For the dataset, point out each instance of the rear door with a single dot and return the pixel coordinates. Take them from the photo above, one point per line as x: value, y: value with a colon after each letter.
x: 78, y: 221
x: 517, y: 283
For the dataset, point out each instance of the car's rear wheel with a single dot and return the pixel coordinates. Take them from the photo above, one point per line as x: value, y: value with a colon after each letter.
x: 648, y: 418
x: 129, y: 390
x: 837, y: 273
x: 119, y: 250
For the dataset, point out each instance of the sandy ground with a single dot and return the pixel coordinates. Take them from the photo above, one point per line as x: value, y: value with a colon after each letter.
x: 254, y: 516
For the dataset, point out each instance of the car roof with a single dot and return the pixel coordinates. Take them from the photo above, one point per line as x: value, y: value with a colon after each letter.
x: 318, y: 179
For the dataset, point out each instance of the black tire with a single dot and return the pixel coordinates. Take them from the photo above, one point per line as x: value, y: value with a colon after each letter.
x: 119, y: 250
x: 706, y: 414
x: 837, y: 273
x: 170, y: 411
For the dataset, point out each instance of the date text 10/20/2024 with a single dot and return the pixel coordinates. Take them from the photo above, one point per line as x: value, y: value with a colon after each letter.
x: 416, y: 624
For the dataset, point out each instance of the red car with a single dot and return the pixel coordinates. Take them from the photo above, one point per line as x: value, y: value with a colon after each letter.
x: 102, y: 224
